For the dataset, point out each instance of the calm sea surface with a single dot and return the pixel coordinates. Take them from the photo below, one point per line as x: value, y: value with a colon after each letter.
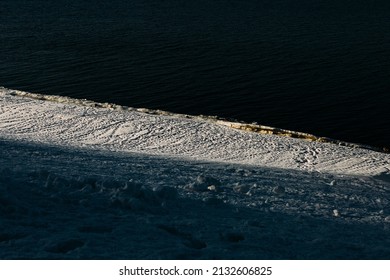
x: 318, y: 66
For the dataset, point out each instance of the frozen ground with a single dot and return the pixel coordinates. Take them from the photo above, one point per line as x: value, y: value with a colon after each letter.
x: 93, y: 182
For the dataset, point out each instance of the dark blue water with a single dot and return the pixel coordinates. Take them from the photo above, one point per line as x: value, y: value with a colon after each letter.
x: 318, y: 66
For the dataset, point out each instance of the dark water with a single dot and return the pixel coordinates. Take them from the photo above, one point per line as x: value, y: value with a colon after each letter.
x: 318, y: 66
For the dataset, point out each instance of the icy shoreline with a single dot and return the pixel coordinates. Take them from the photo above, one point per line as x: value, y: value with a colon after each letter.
x: 81, y: 182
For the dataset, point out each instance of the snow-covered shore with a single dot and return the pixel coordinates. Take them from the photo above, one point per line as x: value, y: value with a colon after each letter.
x: 66, y: 122
x: 102, y: 182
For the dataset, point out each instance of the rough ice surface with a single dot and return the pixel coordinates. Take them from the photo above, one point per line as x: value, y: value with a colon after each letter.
x: 100, y: 182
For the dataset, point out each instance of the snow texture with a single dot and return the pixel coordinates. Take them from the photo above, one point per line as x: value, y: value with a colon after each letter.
x: 105, y: 182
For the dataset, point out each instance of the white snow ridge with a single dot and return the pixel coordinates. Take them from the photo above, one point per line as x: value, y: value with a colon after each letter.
x: 82, y: 180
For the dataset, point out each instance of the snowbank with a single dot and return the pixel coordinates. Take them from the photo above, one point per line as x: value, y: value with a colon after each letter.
x: 99, y: 182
